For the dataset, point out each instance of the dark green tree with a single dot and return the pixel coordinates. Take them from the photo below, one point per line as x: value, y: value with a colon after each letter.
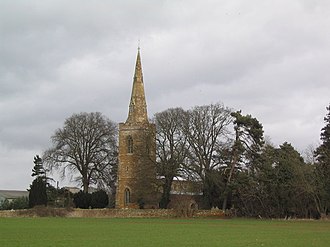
x: 38, y: 188
x: 38, y: 169
x: 100, y: 199
x: 82, y: 200
x: 279, y: 187
x: 322, y: 169
x: 289, y: 178
x: 245, y: 150
x: 254, y: 193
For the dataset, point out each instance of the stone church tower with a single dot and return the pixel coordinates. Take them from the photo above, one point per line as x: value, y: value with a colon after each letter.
x: 137, y: 151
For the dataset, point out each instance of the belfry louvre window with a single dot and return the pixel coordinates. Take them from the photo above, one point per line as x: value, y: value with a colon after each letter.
x: 129, y: 145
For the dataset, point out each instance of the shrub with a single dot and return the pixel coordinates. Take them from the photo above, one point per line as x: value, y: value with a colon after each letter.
x: 17, y: 203
x: 20, y: 203
x: 5, y: 205
x: 100, y: 199
x: 82, y: 200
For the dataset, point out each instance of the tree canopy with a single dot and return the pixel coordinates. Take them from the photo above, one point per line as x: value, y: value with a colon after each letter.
x: 322, y: 169
x: 211, y: 145
x: 86, y: 146
x: 225, y: 151
x: 171, y: 148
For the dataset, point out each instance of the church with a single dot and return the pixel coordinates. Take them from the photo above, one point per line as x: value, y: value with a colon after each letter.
x: 137, y: 183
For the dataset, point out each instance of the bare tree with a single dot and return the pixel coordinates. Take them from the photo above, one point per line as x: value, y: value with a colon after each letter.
x: 171, y: 148
x: 308, y: 154
x: 87, y: 145
x: 206, y: 131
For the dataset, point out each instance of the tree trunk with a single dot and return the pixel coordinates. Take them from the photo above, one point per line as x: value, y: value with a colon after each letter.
x: 165, y: 200
x: 225, y: 200
x: 233, y: 164
x: 85, y: 184
x: 226, y: 190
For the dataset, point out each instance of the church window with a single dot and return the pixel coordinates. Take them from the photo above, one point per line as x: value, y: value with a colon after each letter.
x: 129, y: 145
x: 127, y: 196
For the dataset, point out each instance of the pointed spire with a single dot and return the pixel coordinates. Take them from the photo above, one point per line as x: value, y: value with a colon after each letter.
x: 137, y: 107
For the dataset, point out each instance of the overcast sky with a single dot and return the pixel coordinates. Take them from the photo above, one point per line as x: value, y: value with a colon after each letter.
x: 269, y: 58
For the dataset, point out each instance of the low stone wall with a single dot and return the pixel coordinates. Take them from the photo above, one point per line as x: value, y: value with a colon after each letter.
x: 213, y: 213
x: 7, y: 213
x: 122, y: 213
x: 108, y: 213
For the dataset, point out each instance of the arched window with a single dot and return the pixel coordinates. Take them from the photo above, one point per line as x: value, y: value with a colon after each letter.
x: 127, y: 196
x: 129, y: 145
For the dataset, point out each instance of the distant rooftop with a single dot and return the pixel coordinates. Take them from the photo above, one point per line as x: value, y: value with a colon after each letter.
x: 13, y: 194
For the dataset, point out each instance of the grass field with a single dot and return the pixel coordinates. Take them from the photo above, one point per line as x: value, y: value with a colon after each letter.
x: 161, y: 232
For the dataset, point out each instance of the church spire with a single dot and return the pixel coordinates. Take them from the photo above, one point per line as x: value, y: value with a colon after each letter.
x: 137, y: 107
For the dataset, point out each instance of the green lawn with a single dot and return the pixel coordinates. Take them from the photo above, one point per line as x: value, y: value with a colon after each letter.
x: 161, y: 232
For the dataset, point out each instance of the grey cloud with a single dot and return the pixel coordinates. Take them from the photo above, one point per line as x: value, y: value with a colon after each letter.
x: 268, y: 58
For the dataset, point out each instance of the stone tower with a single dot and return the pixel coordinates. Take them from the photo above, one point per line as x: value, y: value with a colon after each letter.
x: 137, y: 151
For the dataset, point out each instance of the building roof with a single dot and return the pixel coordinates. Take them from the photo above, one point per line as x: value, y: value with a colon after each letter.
x: 75, y: 190
x: 12, y: 194
x: 186, y: 187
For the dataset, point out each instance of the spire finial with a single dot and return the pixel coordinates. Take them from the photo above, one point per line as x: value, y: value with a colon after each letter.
x: 138, y: 44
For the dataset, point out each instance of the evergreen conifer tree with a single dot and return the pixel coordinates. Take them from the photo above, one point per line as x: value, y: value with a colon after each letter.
x: 38, y: 194
x: 322, y: 170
